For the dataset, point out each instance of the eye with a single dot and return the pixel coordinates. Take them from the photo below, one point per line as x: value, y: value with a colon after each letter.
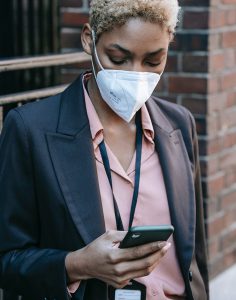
x: 153, y: 65
x: 118, y: 61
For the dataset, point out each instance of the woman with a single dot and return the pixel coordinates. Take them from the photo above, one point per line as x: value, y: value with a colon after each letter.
x: 75, y: 163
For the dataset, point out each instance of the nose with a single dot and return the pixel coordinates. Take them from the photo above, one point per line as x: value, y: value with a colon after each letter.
x: 137, y: 66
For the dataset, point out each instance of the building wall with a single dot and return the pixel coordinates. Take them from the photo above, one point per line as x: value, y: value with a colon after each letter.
x: 201, y: 75
x: 221, y: 139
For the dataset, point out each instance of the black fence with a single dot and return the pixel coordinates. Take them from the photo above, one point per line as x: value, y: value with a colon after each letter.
x: 28, y: 28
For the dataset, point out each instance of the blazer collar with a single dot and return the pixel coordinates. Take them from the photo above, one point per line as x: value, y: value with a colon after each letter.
x: 73, y: 116
x: 71, y: 152
x: 178, y: 179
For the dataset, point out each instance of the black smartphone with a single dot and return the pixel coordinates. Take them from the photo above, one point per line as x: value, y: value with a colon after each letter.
x: 140, y: 235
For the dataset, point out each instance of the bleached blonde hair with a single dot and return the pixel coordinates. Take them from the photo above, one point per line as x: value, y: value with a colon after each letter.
x: 106, y: 14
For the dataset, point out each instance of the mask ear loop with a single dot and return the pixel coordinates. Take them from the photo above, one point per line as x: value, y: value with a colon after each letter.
x: 96, y: 55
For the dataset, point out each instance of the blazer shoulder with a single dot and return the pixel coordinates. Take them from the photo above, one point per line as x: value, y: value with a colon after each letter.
x: 178, y: 115
x: 42, y: 114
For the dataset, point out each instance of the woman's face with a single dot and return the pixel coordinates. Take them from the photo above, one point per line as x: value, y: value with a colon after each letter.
x: 136, y: 46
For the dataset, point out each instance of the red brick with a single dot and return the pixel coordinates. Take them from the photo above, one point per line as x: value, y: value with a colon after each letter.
x: 74, y: 19
x: 228, y: 1
x: 195, y: 19
x: 230, y: 58
x: 228, y: 237
x: 212, y: 207
x: 182, y: 84
x: 214, y: 85
x: 213, y: 165
x: 216, y: 266
x: 228, y: 200
x: 213, y: 247
x: 215, y: 184
x: 231, y: 99
x: 230, y: 217
x: 202, y: 3
x: 229, y: 257
x: 216, y: 62
x: 195, y: 63
x: 228, y: 118
x: 195, y: 105
x: 217, y: 18
x: 214, y: 146
x: 172, y: 63
x: 228, y: 81
x: 229, y: 139
x: 214, y: 41
x: 230, y: 177
x: 190, y: 42
x: 229, y: 39
x: 213, y: 125
x: 216, y: 225
x: 217, y: 102
x: 71, y: 40
x: 228, y: 159
x: 231, y: 16
x: 201, y: 125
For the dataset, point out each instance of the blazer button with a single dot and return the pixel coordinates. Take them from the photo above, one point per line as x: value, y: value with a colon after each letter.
x: 190, y: 276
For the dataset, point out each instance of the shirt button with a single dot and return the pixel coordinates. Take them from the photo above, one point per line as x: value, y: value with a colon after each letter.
x: 190, y: 276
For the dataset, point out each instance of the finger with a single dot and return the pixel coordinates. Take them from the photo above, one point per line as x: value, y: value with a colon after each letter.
x: 138, y: 252
x: 140, y: 267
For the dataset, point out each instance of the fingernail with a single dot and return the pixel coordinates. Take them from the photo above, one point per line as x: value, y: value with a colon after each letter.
x: 167, y: 246
x: 161, y: 244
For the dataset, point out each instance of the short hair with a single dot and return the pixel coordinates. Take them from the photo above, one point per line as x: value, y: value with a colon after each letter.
x: 106, y: 14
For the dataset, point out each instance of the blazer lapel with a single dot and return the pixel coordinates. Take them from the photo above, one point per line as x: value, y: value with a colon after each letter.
x: 178, y: 179
x: 72, y: 155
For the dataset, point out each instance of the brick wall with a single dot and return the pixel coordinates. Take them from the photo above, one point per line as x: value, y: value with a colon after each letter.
x: 221, y: 139
x: 74, y: 13
x: 201, y: 75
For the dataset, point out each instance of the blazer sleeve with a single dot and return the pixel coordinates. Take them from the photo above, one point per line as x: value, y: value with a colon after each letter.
x: 200, y: 236
x: 25, y: 268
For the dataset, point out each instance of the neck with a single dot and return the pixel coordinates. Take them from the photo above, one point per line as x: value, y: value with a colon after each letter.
x: 106, y: 115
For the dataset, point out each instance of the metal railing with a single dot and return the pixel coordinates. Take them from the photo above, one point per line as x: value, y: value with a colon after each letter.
x: 77, y: 59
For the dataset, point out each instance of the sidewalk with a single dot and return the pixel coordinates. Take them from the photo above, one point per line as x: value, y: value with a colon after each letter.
x: 223, y: 287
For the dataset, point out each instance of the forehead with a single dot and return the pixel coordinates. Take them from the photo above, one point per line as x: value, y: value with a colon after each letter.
x: 137, y: 34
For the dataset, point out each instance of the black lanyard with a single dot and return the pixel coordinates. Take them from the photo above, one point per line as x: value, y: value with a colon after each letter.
x: 106, y: 163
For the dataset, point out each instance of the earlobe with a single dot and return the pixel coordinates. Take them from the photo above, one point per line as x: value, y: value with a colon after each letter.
x: 86, y: 39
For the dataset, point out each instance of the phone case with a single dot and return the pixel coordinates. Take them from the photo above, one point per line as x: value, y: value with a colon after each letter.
x: 140, y: 235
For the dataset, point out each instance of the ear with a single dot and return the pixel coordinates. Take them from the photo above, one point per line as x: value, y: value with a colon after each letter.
x: 86, y: 38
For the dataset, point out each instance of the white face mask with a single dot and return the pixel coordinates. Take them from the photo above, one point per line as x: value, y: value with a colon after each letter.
x: 124, y: 91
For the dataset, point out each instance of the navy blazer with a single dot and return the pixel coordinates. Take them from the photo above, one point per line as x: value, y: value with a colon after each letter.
x: 50, y: 201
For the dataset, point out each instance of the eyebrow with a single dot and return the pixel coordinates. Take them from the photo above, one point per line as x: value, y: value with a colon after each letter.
x: 128, y: 52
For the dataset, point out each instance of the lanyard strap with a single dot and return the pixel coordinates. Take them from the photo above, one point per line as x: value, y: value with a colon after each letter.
x: 106, y: 163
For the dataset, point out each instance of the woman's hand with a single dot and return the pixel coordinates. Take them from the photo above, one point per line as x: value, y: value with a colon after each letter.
x: 102, y: 259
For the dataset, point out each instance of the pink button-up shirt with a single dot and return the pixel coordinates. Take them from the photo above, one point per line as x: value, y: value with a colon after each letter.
x: 166, y: 281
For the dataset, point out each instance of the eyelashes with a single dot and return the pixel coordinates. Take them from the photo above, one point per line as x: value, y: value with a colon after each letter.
x: 124, y: 61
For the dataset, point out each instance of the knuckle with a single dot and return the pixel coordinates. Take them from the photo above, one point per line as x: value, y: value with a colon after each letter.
x: 118, y: 272
x: 120, y: 283
x: 136, y: 252
x: 148, y: 271
x: 148, y: 263
x: 154, y: 247
x: 111, y: 257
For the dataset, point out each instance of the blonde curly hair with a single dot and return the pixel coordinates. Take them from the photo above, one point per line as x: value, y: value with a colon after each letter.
x: 105, y: 14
